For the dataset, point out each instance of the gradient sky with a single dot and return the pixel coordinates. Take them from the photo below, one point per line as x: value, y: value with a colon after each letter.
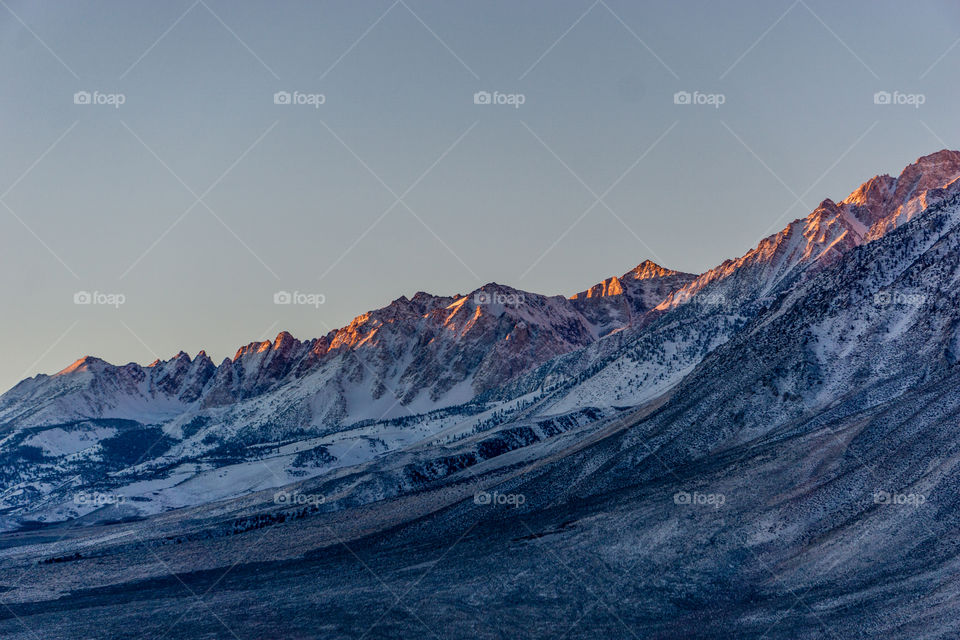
x: 294, y: 197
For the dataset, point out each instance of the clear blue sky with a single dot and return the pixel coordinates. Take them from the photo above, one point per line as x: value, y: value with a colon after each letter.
x: 98, y: 198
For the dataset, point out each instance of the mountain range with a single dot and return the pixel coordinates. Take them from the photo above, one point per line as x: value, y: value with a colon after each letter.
x: 765, y: 450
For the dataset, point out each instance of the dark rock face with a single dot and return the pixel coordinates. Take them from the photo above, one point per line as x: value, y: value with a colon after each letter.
x: 617, y: 303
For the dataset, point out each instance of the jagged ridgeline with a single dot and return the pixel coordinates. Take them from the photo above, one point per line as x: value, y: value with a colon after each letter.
x: 475, y: 372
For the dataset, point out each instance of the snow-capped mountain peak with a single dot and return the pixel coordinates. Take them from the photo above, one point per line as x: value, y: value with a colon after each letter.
x: 649, y: 269
x: 616, y: 302
x: 875, y: 208
x: 86, y: 363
